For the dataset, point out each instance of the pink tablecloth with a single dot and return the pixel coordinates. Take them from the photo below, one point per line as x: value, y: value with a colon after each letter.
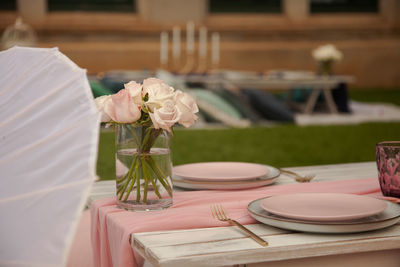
x: 112, y: 227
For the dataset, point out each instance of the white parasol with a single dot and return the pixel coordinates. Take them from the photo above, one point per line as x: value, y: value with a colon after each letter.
x: 48, y: 150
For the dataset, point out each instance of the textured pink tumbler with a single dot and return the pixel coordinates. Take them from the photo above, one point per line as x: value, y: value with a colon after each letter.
x: 388, y: 163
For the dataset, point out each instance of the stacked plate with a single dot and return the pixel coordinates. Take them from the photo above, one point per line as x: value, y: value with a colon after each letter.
x: 325, y: 212
x: 223, y: 175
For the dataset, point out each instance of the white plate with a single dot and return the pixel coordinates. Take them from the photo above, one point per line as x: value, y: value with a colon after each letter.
x: 227, y: 185
x: 323, y: 206
x: 390, y: 216
x: 221, y: 171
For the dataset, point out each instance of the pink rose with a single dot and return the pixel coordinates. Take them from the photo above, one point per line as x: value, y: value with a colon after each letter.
x: 166, y: 116
x: 135, y: 91
x: 188, y: 107
x: 101, y: 103
x: 123, y: 108
x: 158, y: 92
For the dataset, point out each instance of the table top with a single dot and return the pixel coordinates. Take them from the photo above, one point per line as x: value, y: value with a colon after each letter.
x: 229, y: 246
x: 322, y: 82
x: 272, y: 81
x: 334, y: 172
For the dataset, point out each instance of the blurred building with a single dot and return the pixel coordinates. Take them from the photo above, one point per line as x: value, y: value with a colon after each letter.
x: 258, y: 35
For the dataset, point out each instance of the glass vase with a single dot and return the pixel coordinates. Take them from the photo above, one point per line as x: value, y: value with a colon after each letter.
x: 325, y: 67
x: 143, y: 167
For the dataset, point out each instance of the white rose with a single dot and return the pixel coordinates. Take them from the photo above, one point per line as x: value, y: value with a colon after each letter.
x: 135, y: 91
x: 166, y: 116
x: 122, y: 108
x: 188, y: 107
x: 101, y: 102
x: 158, y: 93
x: 327, y: 52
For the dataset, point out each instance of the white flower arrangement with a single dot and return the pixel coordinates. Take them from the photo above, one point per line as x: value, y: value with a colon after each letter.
x: 327, y: 53
x: 153, y: 101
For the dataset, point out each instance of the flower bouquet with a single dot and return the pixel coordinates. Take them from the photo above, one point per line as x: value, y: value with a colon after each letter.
x: 143, y: 116
x: 325, y: 55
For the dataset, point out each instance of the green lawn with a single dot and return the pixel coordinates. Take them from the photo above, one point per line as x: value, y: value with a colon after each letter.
x: 376, y: 95
x: 280, y: 146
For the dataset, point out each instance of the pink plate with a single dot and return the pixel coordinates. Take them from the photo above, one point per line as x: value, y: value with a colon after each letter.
x: 221, y: 171
x: 323, y: 206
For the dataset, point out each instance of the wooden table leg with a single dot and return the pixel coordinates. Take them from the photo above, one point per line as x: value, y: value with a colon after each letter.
x: 329, y: 101
x: 312, y: 99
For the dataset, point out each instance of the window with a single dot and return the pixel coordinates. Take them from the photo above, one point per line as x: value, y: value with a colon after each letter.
x: 336, y: 6
x: 92, y: 5
x: 8, y: 5
x: 245, y: 6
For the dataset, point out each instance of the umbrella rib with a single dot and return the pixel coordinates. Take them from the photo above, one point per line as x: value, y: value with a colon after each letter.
x: 46, y: 190
x: 39, y: 101
x: 40, y: 142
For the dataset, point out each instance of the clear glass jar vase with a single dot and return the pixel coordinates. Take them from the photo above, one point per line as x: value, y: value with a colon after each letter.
x: 325, y: 67
x: 143, y: 167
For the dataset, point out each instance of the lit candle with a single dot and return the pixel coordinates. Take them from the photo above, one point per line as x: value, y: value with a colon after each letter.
x: 176, y: 42
x: 164, y: 48
x: 203, y: 42
x: 215, y: 48
x: 190, y: 37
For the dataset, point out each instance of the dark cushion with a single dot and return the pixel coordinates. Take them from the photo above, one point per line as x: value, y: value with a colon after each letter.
x: 341, y: 99
x: 239, y: 102
x: 268, y: 106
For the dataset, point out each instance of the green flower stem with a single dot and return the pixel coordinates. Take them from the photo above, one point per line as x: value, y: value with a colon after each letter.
x: 121, y: 190
x: 135, y: 136
x: 146, y: 180
x: 158, y: 169
x: 140, y: 174
x: 160, y: 172
x: 133, y: 179
x: 126, y: 176
x: 120, y: 180
x: 148, y: 172
x: 146, y: 140
x: 160, y: 175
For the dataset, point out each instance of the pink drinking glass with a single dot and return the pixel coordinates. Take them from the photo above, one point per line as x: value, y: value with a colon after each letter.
x: 388, y: 163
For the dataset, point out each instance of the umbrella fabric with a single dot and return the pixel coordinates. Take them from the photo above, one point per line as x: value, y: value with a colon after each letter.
x: 48, y: 146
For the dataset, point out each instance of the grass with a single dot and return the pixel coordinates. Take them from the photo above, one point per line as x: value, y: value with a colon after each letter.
x: 280, y: 146
x: 376, y: 95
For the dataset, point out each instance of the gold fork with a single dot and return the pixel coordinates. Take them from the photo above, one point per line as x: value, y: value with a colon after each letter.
x: 220, y: 214
x: 299, y: 178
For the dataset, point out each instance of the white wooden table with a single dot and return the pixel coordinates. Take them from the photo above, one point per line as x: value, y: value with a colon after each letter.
x: 227, y: 246
x: 319, y: 84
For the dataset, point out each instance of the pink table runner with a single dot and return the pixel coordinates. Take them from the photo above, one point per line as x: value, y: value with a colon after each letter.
x: 112, y: 227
